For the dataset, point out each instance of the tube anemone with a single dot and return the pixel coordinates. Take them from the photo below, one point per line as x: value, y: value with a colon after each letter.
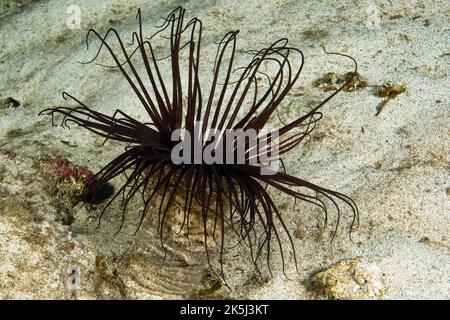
x: 233, y: 197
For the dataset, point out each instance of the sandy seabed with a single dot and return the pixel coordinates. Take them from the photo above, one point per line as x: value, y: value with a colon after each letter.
x: 394, y: 164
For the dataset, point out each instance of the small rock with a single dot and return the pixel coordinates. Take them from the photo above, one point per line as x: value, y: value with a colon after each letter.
x: 348, y: 280
x: 331, y: 81
x: 9, y: 103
